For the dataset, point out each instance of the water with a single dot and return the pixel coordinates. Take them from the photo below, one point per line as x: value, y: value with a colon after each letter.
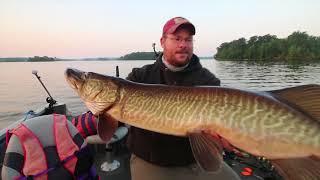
x: 20, y: 91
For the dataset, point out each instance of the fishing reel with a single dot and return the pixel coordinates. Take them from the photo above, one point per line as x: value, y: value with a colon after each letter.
x: 51, y: 101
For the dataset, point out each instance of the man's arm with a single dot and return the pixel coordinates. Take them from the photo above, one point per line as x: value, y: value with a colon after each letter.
x: 132, y: 75
x: 212, y: 80
x: 137, y: 74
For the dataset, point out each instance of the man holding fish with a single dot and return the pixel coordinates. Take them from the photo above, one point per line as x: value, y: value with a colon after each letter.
x: 282, y: 125
x: 160, y: 156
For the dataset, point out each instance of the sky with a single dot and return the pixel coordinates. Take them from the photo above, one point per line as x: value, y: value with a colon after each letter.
x: 113, y: 28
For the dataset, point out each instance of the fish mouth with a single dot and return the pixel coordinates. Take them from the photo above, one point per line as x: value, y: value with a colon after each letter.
x: 75, y: 78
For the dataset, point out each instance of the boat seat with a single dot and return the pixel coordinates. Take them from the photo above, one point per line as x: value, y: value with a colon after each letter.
x: 120, y: 133
x: 95, y: 139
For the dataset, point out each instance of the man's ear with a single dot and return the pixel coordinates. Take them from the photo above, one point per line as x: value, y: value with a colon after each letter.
x: 162, y: 40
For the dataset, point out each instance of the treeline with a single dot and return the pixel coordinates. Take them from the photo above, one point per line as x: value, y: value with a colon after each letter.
x: 43, y: 58
x: 14, y: 59
x: 29, y: 59
x: 139, y: 56
x: 297, y: 46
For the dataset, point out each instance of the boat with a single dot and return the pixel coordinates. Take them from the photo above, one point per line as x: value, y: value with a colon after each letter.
x: 112, y: 159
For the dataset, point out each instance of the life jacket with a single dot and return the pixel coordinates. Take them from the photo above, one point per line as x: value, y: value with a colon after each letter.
x: 35, y: 160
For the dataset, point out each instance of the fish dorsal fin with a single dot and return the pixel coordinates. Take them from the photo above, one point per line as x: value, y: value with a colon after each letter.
x: 307, y: 168
x: 207, y: 152
x: 305, y: 97
x: 107, y: 126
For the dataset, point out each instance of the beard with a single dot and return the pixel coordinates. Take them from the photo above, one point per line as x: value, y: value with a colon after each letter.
x: 180, y: 58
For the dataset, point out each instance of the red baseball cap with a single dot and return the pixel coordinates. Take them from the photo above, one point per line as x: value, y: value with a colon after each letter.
x: 172, y: 25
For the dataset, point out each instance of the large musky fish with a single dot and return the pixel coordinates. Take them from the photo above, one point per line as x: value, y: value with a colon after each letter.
x: 282, y: 125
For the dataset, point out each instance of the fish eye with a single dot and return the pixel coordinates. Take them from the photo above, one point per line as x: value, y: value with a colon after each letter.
x: 85, y: 75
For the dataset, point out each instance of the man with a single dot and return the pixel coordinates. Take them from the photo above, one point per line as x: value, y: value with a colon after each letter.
x: 158, y: 156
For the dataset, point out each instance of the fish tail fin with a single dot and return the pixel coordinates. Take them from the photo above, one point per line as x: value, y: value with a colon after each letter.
x: 307, y: 168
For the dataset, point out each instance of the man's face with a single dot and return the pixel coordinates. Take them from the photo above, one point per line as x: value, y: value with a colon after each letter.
x: 177, y: 47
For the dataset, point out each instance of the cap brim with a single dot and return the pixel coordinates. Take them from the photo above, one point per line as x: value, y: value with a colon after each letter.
x: 187, y: 25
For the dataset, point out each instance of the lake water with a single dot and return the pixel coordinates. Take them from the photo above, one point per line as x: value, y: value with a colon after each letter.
x: 21, y: 91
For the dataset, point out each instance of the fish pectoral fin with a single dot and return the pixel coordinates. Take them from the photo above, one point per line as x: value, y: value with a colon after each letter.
x: 305, y: 97
x: 107, y: 126
x: 206, y: 150
x: 307, y: 168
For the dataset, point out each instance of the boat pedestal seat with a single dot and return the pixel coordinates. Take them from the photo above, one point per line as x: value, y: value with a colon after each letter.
x: 112, y: 147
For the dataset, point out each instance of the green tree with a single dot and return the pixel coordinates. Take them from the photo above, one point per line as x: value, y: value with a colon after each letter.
x: 298, y: 45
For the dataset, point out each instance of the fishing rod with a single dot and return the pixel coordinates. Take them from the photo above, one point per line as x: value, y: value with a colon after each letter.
x: 154, y: 50
x: 49, y: 99
x: 117, y: 71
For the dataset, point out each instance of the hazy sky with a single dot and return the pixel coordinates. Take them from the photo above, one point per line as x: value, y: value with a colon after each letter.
x: 105, y: 28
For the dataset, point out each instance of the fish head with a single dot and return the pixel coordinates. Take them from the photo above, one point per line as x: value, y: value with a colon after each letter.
x: 99, y: 92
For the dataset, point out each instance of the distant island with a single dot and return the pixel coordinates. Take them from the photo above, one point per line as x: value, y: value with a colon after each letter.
x: 297, y: 46
x: 30, y: 59
x: 130, y: 56
x: 42, y: 59
x: 14, y: 59
x: 139, y: 56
